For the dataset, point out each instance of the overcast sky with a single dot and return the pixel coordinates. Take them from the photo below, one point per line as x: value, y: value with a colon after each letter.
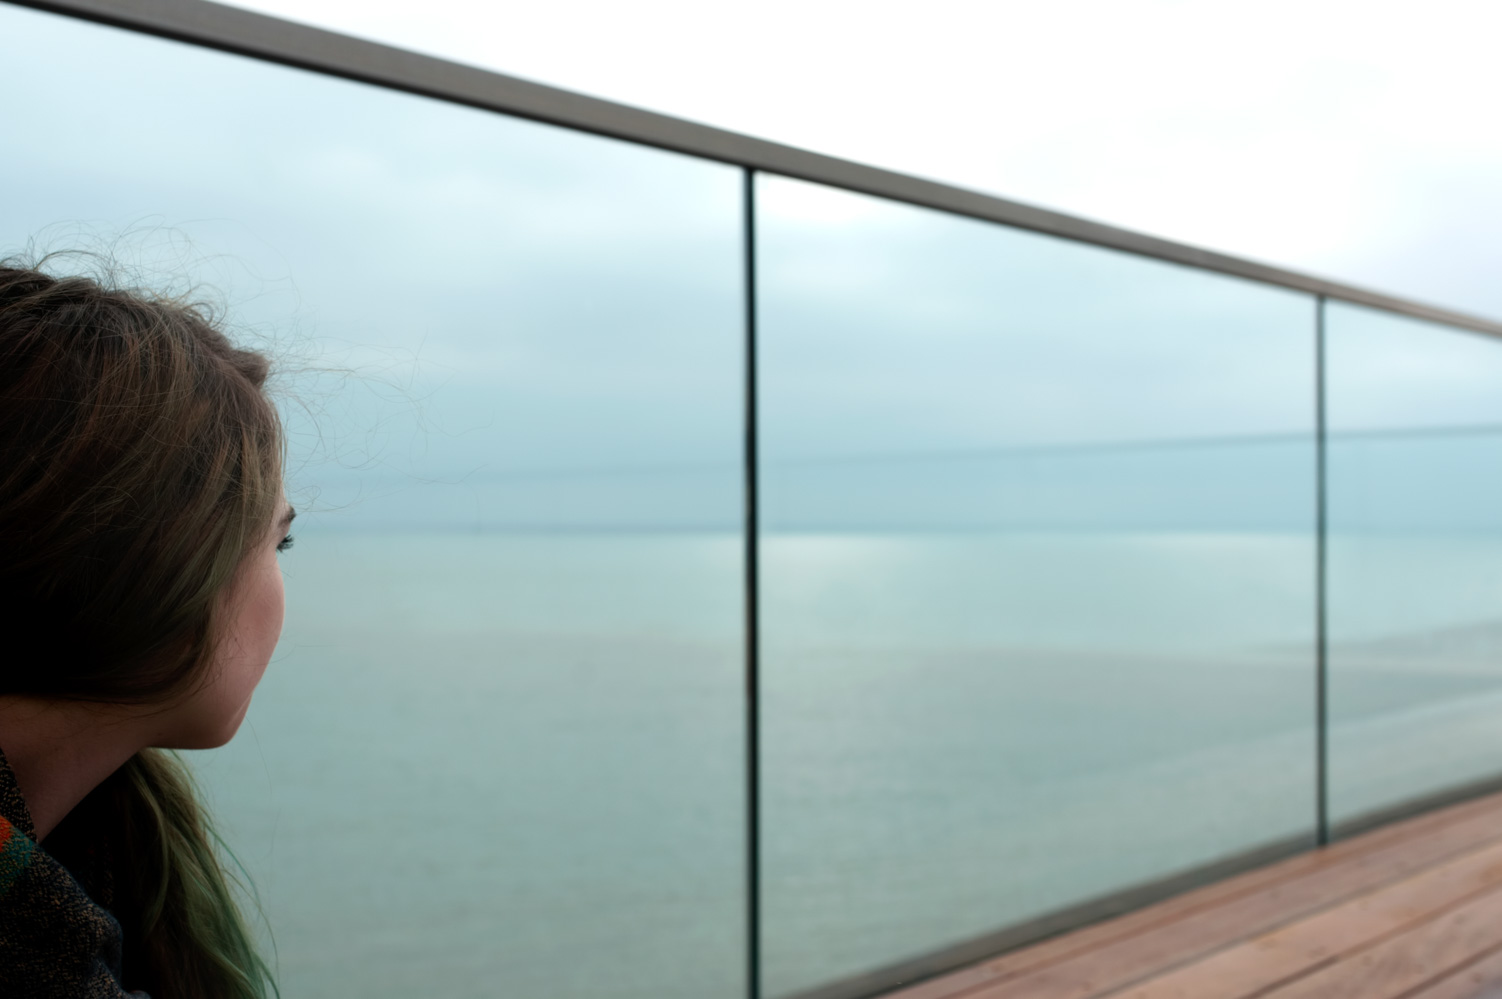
x: 1356, y: 140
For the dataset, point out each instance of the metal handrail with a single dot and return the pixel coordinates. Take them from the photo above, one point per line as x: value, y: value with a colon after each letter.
x: 243, y: 32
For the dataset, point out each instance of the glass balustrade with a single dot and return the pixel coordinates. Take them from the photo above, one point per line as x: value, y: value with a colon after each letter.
x: 1037, y: 575
x: 1414, y: 473
x: 500, y: 750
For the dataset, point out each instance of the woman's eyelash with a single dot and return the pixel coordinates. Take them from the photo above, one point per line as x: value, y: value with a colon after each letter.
x: 285, y: 543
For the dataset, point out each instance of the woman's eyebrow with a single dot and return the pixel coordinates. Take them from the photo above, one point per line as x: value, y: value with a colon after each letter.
x: 286, y: 520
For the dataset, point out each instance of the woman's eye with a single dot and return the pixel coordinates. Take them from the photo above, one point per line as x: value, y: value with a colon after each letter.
x: 284, y: 544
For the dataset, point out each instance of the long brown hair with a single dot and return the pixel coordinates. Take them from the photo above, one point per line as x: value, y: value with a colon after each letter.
x: 140, y: 459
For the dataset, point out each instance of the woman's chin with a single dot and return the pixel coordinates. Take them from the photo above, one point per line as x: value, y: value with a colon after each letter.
x: 206, y: 736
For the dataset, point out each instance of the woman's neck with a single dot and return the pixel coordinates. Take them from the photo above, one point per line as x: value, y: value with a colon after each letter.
x: 62, y: 750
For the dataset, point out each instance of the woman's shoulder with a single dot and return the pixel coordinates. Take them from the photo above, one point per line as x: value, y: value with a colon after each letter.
x: 55, y: 941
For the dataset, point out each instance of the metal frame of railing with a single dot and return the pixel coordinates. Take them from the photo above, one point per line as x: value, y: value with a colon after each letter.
x: 245, y: 33
x: 241, y: 32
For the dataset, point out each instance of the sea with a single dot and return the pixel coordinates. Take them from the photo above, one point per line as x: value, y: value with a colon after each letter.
x: 514, y: 763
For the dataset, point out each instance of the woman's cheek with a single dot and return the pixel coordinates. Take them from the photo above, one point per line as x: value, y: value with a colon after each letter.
x: 212, y: 716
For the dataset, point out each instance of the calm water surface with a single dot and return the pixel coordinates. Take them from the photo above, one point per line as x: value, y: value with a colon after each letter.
x: 513, y: 764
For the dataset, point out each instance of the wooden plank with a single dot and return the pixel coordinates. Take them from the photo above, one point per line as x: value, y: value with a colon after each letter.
x: 1412, y: 960
x: 1479, y: 980
x: 1303, y: 885
x: 1283, y: 955
x: 1345, y: 869
x: 1122, y: 962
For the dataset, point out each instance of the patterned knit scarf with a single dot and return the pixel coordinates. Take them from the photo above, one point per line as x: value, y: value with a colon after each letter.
x: 55, y: 941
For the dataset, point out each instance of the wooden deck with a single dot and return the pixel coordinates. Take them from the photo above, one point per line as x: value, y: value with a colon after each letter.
x: 1409, y: 911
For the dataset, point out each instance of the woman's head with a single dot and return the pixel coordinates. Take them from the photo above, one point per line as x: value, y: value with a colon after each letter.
x: 140, y: 505
x: 140, y: 513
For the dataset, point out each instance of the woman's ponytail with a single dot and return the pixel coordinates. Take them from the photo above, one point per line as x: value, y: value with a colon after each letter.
x: 185, y: 937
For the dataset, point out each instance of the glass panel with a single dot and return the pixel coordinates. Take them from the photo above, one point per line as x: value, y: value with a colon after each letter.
x: 501, y: 748
x: 1038, y: 576
x: 1414, y: 412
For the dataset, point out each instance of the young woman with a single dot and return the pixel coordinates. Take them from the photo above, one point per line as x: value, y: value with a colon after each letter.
x: 141, y: 513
